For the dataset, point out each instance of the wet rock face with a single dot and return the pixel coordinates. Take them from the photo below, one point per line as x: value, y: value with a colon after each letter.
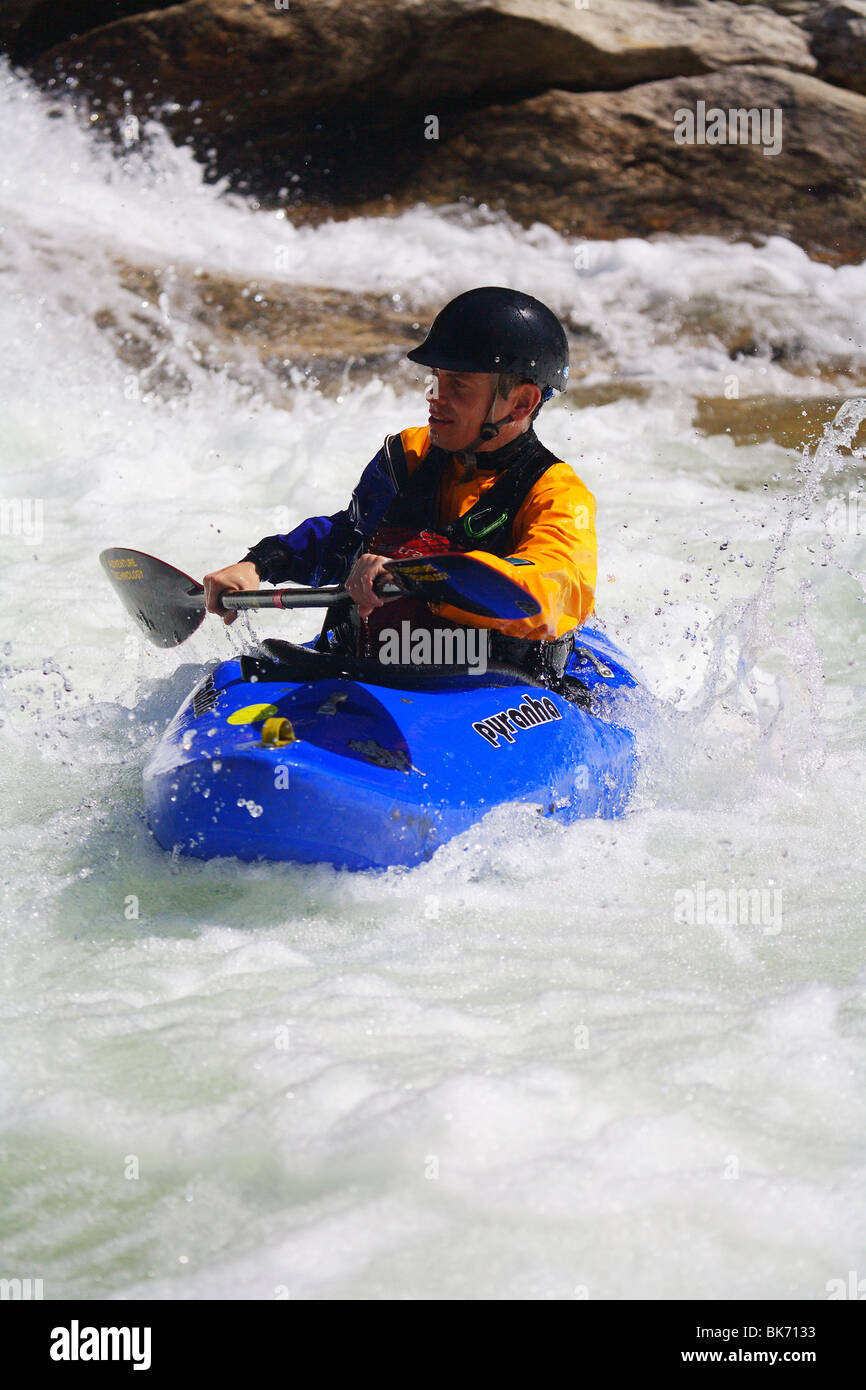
x: 29, y: 28
x: 600, y: 165
x: 459, y: 49
x: 838, y: 42
x: 790, y: 422
x: 263, y: 334
x: 553, y: 111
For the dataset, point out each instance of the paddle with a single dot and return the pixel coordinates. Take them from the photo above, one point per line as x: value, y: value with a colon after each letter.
x: 168, y: 605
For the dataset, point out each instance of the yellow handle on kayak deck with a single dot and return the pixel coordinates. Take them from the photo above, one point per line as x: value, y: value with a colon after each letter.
x: 276, y: 733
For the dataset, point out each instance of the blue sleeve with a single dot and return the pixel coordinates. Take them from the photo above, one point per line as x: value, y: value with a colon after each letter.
x: 323, y: 549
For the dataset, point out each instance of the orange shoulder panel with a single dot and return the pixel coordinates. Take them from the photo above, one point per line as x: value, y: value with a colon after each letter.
x: 554, y: 534
x: 416, y: 443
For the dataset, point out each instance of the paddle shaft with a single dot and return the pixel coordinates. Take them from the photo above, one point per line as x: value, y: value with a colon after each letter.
x: 293, y: 598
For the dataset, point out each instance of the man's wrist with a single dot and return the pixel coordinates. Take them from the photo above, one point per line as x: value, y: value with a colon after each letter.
x: 269, y: 557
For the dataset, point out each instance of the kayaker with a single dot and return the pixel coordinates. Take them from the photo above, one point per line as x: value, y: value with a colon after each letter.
x: 476, y: 478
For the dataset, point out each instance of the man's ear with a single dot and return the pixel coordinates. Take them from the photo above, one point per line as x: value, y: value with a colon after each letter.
x: 524, y: 399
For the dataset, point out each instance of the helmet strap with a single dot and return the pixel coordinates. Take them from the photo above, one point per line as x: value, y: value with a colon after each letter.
x: 490, y: 429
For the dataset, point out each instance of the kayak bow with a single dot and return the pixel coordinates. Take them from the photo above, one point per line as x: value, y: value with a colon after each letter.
x: 288, y: 757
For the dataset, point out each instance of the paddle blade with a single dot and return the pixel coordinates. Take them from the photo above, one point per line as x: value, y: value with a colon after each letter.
x: 164, y: 602
x: 465, y: 583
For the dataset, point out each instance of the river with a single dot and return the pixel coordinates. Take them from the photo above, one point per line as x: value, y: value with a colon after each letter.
x: 553, y: 1062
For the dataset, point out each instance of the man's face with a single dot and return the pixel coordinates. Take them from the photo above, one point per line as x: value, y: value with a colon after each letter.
x: 459, y: 404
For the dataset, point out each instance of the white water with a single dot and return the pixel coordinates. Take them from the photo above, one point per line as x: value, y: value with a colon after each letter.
x: 512, y: 1072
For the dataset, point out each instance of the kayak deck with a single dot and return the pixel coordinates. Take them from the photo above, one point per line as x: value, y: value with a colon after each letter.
x: 364, y: 775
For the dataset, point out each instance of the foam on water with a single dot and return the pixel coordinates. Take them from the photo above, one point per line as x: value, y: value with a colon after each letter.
x: 552, y: 1061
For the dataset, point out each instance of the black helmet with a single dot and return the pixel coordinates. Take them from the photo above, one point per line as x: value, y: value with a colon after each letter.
x: 498, y: 330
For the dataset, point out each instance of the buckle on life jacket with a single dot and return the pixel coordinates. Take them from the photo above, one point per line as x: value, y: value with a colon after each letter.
x: 475, y: 525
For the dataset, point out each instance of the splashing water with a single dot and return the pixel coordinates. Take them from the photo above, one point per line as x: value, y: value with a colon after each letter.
x: 765, y: 667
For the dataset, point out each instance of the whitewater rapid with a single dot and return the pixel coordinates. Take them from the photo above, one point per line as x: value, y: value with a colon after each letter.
x: 552, y: 1062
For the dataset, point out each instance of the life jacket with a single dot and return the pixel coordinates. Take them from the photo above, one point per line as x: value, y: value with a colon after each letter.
x: 487, y: 525
x: 401, y: 543
x: 409, y: 528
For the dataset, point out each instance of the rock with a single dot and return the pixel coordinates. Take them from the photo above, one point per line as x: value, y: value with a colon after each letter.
x: 838, y: 41
x: 329, y: 93
x: 548, y: 110
x: 268, y: 334
x: 797, y: 9
x: 794, y: 422
x: 273, y: 335
x: 601, y: 165
x: 31, y: 27
x: 14, y: 16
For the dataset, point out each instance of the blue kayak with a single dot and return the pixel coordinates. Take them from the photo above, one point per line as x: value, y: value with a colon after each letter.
x: 300, y: 755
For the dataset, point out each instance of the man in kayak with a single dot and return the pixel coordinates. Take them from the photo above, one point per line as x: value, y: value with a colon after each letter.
x: 475, y: 479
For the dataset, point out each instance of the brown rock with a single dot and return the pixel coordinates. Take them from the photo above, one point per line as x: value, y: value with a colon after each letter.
x: 602, y: 165
x: 331, y: 94
x: 793, y: 422
x: 272, y: 337
x: 266, y: 333
x: 15, y: 16
x: 544, y: 109
x: 838, y: 41
x: 31, y: 27
x: 263, y: 333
